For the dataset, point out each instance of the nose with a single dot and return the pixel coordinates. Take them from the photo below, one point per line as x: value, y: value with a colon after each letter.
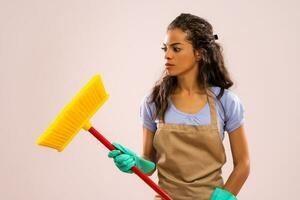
x: 168, y: 54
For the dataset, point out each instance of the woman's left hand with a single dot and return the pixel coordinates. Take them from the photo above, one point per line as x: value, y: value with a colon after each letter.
x: 221, y: 194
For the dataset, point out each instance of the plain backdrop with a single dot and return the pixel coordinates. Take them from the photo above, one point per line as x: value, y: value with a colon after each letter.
x: 50, y: 49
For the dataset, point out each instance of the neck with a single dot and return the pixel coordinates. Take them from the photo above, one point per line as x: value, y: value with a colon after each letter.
x: 188, y: 83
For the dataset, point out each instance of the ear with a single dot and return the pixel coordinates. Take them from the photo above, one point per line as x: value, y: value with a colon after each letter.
x: 198, y: 54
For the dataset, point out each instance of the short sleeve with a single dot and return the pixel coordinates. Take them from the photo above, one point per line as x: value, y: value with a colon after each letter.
x: 234, y: 110
x: 147, y: 110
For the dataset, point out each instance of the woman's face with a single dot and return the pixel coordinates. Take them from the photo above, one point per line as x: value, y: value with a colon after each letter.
x: 179, y: 53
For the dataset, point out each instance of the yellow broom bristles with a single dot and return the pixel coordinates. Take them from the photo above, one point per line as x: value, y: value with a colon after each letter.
x: 75, y: 115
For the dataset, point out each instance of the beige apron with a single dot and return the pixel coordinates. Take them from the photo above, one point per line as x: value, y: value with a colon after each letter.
x: 190, y: 158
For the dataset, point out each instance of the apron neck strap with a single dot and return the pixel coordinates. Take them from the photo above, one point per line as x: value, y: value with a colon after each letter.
x: 212, y: 107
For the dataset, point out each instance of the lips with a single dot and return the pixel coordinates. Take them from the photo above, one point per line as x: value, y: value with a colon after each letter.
x: 168, y: 64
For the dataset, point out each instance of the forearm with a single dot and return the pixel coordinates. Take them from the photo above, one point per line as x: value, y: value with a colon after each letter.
x: 237, y: 178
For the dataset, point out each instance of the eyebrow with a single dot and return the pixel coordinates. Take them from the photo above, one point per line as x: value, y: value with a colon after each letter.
x: 173, y: 43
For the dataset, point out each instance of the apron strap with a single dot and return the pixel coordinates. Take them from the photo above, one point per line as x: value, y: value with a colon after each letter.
x: 212, y: 108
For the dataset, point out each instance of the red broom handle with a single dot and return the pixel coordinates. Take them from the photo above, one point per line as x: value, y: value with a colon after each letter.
x: 136, y: 170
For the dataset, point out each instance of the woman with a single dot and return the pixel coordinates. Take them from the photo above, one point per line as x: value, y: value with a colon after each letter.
x: 185, y: 116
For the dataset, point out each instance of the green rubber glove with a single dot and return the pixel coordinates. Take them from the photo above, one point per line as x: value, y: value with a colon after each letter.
x: 221, y: 194
x: 128, y: 159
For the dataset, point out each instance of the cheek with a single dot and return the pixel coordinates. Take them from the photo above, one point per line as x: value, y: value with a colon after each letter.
x: 186, y: 59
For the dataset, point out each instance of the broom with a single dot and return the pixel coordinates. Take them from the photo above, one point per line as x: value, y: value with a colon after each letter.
x: 76, y: 115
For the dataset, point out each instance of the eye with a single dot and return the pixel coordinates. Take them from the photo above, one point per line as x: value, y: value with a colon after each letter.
x: 175, y: 49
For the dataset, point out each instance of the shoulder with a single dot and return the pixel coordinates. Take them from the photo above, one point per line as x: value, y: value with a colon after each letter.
x: 228, y: 96
x: 229, y: 102
x: 146, y: 105
x: 233, y: 108
x: 146, y: 100
x: 147, y: 112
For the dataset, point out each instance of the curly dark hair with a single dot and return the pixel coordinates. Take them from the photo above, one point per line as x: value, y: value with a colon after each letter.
x: 212, y: 70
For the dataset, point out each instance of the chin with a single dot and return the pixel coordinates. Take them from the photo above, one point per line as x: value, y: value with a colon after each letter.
x: 169, y: 73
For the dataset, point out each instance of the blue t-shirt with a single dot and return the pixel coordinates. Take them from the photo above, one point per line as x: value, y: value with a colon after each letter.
x: 231, y: 105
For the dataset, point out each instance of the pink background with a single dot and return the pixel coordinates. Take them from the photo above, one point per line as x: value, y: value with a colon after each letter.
x: 50, y: 49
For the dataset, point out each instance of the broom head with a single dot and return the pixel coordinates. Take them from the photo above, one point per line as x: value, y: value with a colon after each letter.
x: 75, y: 115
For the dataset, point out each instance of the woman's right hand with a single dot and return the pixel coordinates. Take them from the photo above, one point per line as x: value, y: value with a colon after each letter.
x: 125, y: 159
